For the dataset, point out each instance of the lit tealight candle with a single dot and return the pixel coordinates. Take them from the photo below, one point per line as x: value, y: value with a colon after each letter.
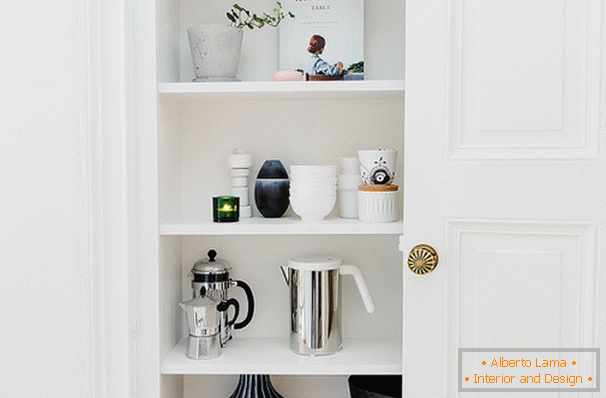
x: 225, y: 208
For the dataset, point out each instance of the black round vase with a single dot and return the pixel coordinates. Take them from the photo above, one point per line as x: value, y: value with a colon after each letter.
x: 272, y: 189
x: 255, y: 386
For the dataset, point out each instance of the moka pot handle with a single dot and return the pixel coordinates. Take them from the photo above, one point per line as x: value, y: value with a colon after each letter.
x: 251, y: 304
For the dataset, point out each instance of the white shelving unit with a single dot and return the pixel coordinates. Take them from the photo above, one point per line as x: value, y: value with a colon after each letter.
x: 185, y: 147
x: 314, y: 90
x: 272, y: 356
x: 279, y: 226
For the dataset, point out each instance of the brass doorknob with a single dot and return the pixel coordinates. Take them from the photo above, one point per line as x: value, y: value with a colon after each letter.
x: 422, y: 259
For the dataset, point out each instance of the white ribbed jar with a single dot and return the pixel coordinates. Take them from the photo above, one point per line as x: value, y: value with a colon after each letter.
x: 377, y: 203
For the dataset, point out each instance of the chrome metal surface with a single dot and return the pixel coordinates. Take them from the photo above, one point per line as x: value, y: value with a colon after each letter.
x: 203, y: 347
x: 218, y: 291
x: 203, y: 318
x: 210, y: 287
x: 212, y: 265
x: 315, y: 311
x: 210, y: 278
x: 284, y: 271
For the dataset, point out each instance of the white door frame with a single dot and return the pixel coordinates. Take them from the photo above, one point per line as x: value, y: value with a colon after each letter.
x: 109, y: 177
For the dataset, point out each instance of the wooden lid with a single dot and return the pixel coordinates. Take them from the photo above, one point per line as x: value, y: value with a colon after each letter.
x: 378, y: 188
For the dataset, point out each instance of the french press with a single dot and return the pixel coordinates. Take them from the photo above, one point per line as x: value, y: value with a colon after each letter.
x: 210, y: 278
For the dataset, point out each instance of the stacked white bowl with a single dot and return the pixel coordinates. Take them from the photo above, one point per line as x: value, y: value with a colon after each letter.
x: 347, y: 187
x: 313, y: 190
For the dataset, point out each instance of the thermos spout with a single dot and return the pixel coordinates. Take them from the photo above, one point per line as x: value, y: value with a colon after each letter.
x: 285, y: 274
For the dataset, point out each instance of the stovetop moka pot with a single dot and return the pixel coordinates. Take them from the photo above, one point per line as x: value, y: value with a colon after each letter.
x: 211, y: 278
x: 204, y: 317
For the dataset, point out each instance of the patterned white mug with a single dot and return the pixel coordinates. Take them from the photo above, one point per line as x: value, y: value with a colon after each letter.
x: 378, y: 166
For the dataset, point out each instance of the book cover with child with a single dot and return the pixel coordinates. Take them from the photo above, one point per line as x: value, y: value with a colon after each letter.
x: 326, y: 37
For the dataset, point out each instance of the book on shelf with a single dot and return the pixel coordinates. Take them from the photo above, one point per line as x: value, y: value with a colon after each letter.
x: 339, y: 22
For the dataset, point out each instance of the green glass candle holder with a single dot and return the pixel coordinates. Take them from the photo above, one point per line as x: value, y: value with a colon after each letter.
x: 226, y: 208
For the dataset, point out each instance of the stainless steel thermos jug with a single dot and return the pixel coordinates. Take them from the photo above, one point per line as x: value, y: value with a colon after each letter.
x: 315, y: 301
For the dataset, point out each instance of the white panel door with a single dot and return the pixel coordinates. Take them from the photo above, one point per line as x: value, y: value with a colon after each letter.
x: 505, y: 170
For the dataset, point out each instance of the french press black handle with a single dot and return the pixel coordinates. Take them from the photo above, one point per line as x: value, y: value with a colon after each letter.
x: 251, y: 305
x: 224, y: 306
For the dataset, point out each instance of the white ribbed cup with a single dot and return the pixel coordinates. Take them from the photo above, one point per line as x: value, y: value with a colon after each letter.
x: 377, y: 206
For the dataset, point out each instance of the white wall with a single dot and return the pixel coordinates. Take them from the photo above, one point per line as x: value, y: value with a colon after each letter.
x: 45, y: 327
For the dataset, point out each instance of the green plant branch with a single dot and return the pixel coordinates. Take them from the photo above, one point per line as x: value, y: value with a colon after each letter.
x: 241, y: 17
x: 358, y: 67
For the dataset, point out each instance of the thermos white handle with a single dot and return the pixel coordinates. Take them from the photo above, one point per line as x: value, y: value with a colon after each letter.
x: 361, y: 283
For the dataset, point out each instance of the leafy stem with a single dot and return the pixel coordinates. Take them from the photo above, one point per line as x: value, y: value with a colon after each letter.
x: 241, y: 17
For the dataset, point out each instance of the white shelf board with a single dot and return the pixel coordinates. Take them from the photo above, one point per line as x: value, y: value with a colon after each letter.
x: 369, y: 89
x: 272, y: 356
x: 280, y: 226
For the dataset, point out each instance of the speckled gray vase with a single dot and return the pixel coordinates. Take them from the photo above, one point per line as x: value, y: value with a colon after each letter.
x: 255, y: 386
x: 215, y: 51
